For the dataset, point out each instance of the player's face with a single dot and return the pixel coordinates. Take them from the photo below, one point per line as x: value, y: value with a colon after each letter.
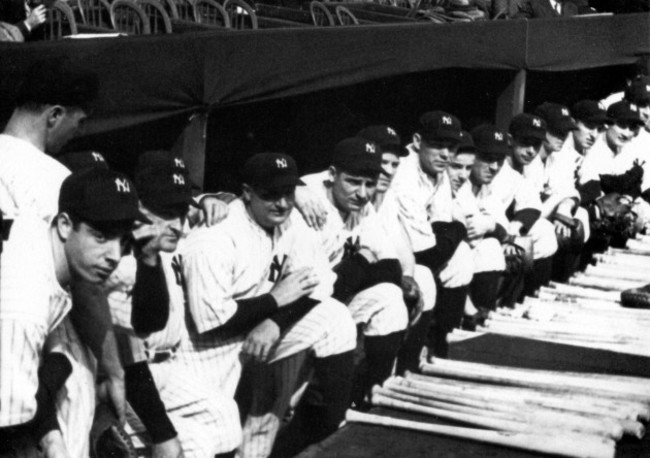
x: 390, y: 163
x: 434, y: 156
x: 165, y: 229
x: 585, y: 135
x: 352, y: 192
x: 460, y: 168
x: 644, y: 112
x: 92, y: 253
x: 553, y: 143
x: 620, y: 134
x: 64, y: 124
x: 485, y: 168
x: 524, y: 150
x: 270, y: 207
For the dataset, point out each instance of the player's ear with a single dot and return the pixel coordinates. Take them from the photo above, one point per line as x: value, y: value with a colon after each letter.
x: 333, y: 172
x: 246, y: 192
x: 417, y: 141
x: 64, y: 225
x: 54, y: 114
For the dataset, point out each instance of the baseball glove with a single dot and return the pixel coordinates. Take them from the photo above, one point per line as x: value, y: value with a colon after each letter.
x: 636, y: 297
x: 108, y: 438
x: 574, y: 242
x: 617, y: 220
x: 628, y: 183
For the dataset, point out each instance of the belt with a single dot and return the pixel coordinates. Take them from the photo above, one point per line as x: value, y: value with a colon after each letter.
x: 160, y: 356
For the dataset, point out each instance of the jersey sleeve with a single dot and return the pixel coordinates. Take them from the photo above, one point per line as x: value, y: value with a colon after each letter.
x: 413, y: 217
x: 208, y: 264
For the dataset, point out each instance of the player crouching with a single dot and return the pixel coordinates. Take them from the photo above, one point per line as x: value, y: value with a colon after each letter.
x: 259, y: 288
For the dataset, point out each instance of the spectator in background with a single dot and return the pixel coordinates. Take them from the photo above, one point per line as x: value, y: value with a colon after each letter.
x: 22, y: 16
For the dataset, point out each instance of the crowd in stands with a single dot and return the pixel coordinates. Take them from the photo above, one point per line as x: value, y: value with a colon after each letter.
x: 134, y: 311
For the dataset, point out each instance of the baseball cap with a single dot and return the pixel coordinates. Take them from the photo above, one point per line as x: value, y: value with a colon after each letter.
x: 159, y: 158
x: 590, y: 111
x: 100, y: 195
x: 164, y: 189
x: 625, y: 111
x: 77, y: 161
x: 58, y: 81
x: 386, y: 137
x: 638, y: 91
x: 357, y: 155
x: 558, y: 118
x: 439, y: 125
x: 525, y: 125
x: 270, y: 171
x: 466, y: 144
x: 489, y: 139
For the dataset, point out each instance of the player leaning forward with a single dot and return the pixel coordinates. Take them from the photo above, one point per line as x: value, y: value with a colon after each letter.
x: 259, y: 288
x: 84, y: 241
x: 145, y: 294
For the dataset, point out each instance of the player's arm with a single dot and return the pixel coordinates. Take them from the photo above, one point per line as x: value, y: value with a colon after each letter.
x: 52, y: 375
x: 448, y: 237
x: 150, y: 298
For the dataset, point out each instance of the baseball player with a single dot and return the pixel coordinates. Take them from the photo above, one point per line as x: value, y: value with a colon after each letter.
x: 182, y: 414
x: 84, y: 240
x: 484, y: 231
x: 424, y: 197
x: 424, y: 287
x: 259, y: 291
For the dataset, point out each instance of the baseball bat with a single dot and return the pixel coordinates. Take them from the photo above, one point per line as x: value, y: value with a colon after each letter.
x: 557, y: 445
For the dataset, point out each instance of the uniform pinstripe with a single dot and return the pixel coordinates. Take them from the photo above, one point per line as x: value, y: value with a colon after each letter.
x: 380, y: 309
x: 207, y: 421
x: 237, y: 259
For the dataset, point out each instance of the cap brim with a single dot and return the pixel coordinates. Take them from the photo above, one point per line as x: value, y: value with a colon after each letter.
x: 441, y: 135
x: 600, y: 118
x: 279, y: 182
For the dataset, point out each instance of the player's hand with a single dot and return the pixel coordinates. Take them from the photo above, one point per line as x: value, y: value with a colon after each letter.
x: 168, y: 449
x: 113, y: 391
x: 479, y: 224
x: 36, y: 17
x: 213, y: 210
x: 510, y: 249
x: 561, y: 229
x: 413, y: 298
x: 53, y: 445
x: 515, y: 227
x: 145, y: 246
x: 294, y: 286
x: 261, y: 340
x: 311, y: 207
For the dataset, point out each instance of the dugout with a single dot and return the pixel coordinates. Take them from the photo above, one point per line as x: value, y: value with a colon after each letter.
x: 222, y: 96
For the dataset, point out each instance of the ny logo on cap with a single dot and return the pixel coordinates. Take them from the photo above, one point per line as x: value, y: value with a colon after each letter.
x: 498, y: 136
x: 122, y: 185
x: 281, y: 163
x: 178, y: 179
x: 565, y: 112
x: 391, y: 131
x: 370, y: 148
x: 446, y: 120
x: 537, y: 122
x: 98, y: 157
x: 647, y: 87
x: 633, y: 107
x: 179, y: 163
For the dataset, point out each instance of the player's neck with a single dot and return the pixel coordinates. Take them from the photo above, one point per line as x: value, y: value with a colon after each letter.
x: 26, y: 128
x: 61, y: 266
x: 379, y: 199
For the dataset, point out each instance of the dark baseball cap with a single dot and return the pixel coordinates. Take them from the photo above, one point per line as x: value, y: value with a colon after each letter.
x: 160, y: 158
x: 439, y: 125
x: 59, y: 81
x: 77, y: 161
x: 386, y: 137
x: 626, y: 112
x: 525, y: 125
x: 357, y: 155
x: 638, y: 91
x: 466, y: 144
x: 591, y: 112
x: 164, y: 189
x: 100, y: 195
x: 558, y: 118
x: 489, y: 139
x: 271, y: 171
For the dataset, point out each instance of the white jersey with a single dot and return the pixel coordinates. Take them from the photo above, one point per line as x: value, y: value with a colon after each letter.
x: 237, y: 259
x: 32, y: 304
x: 119, y: 289
x: 508, y: 187
x: 341, y: 237
x: 569, y: 150
x: 601, y: 160
x: 30, y: 180
x: 553, y: 178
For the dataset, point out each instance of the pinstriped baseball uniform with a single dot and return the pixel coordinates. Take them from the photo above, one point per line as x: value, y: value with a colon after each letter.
x: 509, y: 187
x: 32, y: 305
x: 238, y: 259
x: 207, y: 421
x: 381, y: 308
x: 29, y: 185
